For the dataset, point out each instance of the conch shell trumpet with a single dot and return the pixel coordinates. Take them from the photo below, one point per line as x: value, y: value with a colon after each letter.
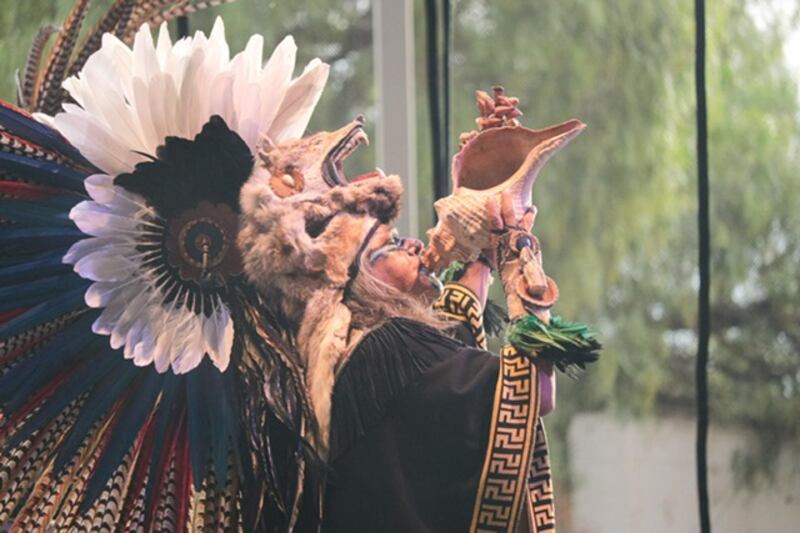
x: 504, y: 156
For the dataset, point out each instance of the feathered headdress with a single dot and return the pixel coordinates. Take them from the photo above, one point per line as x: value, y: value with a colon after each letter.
x: 147, y: 371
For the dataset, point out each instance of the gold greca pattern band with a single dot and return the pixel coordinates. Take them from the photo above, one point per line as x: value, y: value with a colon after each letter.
x: 460, y: 303
x: 541, y: 504
x: 504, y: 479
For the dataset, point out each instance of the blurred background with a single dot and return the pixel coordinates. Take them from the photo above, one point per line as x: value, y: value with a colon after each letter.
x: 617, y: 223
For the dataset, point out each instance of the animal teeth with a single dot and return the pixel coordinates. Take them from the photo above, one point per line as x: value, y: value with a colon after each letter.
x: 361, y: 137
x: 288, y: 180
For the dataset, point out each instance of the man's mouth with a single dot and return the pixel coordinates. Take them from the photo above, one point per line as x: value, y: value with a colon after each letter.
x: 430, y: 279
x: 333, y: 167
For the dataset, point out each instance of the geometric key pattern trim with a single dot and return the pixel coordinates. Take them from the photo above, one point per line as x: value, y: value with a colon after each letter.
x: 541, y: 503
x: 503, y: 485
x: 459, y: 303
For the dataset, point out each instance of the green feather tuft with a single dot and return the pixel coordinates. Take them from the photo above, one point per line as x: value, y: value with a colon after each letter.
x: 569, y: 345
x: 452, y: 272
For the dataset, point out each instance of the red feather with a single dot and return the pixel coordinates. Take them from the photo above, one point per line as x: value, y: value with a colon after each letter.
x: 162, y: 469
x: 37, y: 398
x: 183, y: 475
x: 12, y: 107
x: 5, y: 316
x: 26, y: 191
x: 143, y: 452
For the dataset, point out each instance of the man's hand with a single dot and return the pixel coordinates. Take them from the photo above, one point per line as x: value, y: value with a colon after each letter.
x: 517, y: 256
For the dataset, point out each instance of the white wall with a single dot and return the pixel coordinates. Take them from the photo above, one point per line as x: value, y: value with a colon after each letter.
x: 635, y: 476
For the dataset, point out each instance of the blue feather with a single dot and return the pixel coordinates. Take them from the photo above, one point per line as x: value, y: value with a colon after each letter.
x: 44, y: 312
x: 38, y: 133
x: 28, y: 269
x: 83, y: 380
x: 17, y: 241
x: 131, y: 418
x: 166, y: 417
x: 56, y: 205
x: 32, y: 293
x: 39, y: 216
x: 42, y: 172
x: 221, y: 419
x: 197, y: 400
x: 54, y: 357
x: 107, y: 391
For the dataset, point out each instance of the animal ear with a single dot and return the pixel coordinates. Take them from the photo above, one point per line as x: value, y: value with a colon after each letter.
x: 265, y: 145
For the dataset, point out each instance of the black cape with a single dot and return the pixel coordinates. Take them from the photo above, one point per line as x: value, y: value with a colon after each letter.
x: 409, y: 430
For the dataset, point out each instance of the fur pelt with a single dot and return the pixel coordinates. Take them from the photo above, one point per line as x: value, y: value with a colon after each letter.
x: 297, y: 252
x: 295, y: 246
x: 323, y: 337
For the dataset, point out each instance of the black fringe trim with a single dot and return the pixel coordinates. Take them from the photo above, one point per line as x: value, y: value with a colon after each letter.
x: 384, y: 363
x: 495, y: 318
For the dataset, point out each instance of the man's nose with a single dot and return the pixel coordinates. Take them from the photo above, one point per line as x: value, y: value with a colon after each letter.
x: 413, y: 246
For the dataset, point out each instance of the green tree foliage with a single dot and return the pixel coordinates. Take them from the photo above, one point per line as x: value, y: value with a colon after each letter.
x: 618, y: 206
x: 617, y: 216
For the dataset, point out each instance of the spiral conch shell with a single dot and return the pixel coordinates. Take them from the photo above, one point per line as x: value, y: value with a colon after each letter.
x: 499, y: 158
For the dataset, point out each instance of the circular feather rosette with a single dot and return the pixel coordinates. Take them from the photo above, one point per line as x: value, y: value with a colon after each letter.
x: 173, y: 128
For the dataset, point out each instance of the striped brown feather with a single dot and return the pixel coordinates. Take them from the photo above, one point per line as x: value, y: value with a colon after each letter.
x: 141, y: 13
x: 19, y: 146
x: 48, y: 94
x: 18, y: 347
x: 32, y: 64
x: 136, y: 519
x: 228, y: 514
x: 114, y: 21
x: 75, y: 476
x: 104, y: 515
x: 25, y: 466
x: 185, y: 9
x: 154, y: 13
x: 164, y: 519
x: 41, y: 504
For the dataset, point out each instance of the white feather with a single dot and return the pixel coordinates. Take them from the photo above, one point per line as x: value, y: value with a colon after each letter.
x: 134, y: 309
x: 144, y: 350
x: 194, y: 103
x: 141, y: 102
x: 100, y: 187
x: 163, y: 96
x: 298, y: 104
x: 102, y: 266
x: 163, y: 349
x: 163, y: 45
x: 218, y: 336
x: 193, y: 348
x: 275, y: 78
x: 145, y: 61
x: 99, y: 294
x: 98, y: 220
x: 220, y: 101
x: 104, y: 324
x: 108, y: 102
x: 96, y: 142
x: 85, y: 247
x: 122, y: 58
x: 220, y: 54
x: 139, y: 329
x: 128, y: 100
x: 45, y: 119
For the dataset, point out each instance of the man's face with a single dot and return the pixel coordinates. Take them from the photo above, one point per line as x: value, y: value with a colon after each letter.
x: 396, y: 262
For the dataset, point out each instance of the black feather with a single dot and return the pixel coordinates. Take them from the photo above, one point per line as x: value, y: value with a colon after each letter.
x: 212, y: 167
